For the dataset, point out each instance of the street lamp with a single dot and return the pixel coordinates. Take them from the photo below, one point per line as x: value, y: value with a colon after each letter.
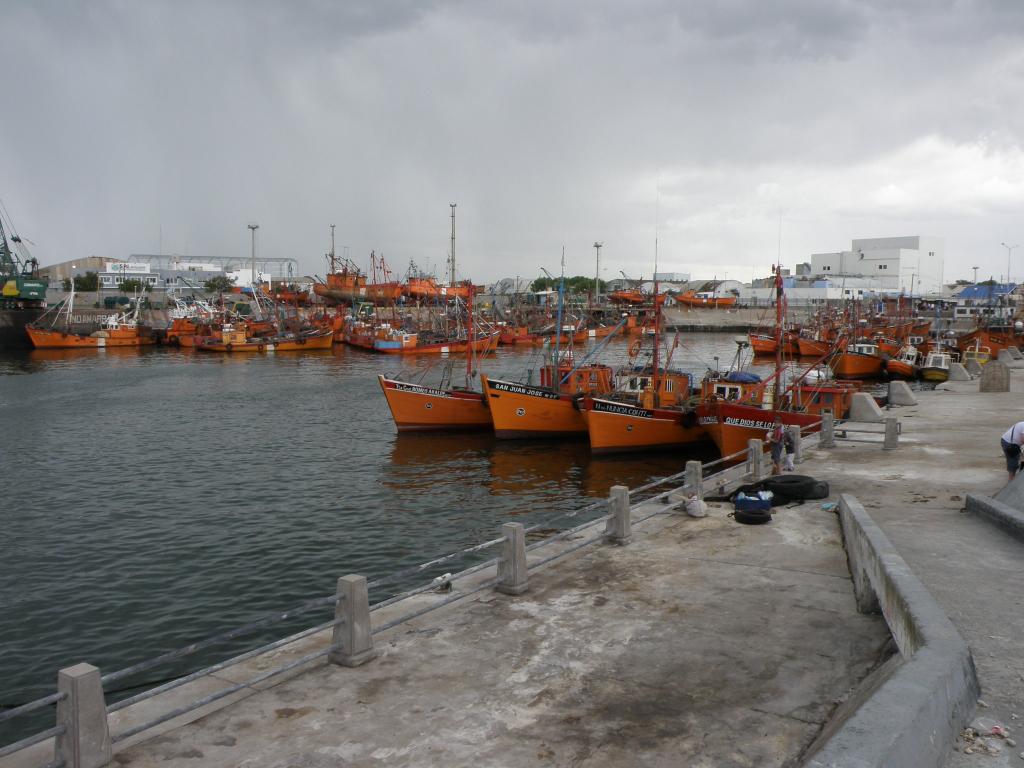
x: 597, y: 273
x: 1009, y: 250
x: 253, y: 228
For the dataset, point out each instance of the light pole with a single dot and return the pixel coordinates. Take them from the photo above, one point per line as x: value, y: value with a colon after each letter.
x: 452, y: 255
x: 975, y: 275
x: 1009, y: 250
x: 597, y: 273
x: 253, y: 228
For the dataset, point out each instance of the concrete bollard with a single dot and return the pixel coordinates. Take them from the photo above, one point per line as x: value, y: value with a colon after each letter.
x: 958, y: 373
x: 828, y: 430
x: 892, y: 434
x: 973, y: 367
x: 755, y: 459
x: 797, y: 438
x: 85, y: 742
x: 695, y: 479
x: 995, y: 377
x: 864, y: 408
x: 1015, y: 353
x: 619, y: 528
x: 901, y: 394
x: 352, y: 641
x: 513, y: 575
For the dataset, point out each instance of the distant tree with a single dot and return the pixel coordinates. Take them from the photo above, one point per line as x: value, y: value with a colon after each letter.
x: 90, y: 281
x: 988, y: 282
x: 66, y: 284
x: 218, y: 284
x: 134, y: 285
x: 577, y: 284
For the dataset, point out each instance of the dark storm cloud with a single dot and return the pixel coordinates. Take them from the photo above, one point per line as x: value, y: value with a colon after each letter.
x: 549, y: 123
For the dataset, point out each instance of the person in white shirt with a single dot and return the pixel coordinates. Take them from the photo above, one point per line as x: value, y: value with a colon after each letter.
x: 1011, y: 441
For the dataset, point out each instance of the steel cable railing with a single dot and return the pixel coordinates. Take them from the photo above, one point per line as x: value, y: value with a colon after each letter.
x: 272, y: 618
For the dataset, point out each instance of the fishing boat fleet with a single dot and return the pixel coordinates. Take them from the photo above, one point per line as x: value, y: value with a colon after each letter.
x: 646, y: 404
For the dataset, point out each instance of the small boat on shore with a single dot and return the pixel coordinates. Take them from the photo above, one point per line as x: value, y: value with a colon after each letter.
x: 861, y: 360
x: 936, y: 366
x: 904, y: 364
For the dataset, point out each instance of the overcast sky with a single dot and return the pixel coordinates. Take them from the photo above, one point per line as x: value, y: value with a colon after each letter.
x: 551, y: 124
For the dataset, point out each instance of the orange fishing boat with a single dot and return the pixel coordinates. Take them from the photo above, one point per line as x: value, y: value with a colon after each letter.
x: 762, y: 343
x: 628, y: 296
x: 417, y: 408
x: 904, y: 364
x: 706, y: 299
x: 234, y: 338
x: 525, y: 411
x: 859, y: 361
x: 117, y: 331
x: 811, y: 347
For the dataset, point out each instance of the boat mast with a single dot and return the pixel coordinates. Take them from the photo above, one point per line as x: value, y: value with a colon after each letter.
x: 451, y: 257
x: 558, y: 323
x: 778, y: 335
x: 469, y: 337
x: 657, y: 307
x: 331, y: 257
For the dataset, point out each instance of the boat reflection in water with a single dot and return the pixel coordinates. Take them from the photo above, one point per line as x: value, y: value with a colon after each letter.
x: 545, y: 477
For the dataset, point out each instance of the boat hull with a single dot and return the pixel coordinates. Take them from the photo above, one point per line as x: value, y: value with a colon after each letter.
x: 851, y: 365
x: 732, y: 426
x: 44, y: 338
x: 416, y: 408
x: 763, y: 345
x: 935, y: 374
x: 620, y: 428
x: 321, y: 340
x: 12, y: 326
x: 812, y: 347
x: 520, y: 411
x: 900, y: 369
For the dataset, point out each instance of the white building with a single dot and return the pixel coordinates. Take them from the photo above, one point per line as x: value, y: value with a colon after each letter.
x: 910, y: 265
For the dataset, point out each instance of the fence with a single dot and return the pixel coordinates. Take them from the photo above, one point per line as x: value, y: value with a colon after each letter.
x: 82, y: 737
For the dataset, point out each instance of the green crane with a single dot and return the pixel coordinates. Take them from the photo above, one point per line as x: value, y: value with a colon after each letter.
x: 19, y: 279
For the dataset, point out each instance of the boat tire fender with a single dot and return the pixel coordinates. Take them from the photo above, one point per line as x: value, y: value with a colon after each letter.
x: 229, y: 346
x: 752, y: 516
x: 260, y: 347
x: 634, y: 348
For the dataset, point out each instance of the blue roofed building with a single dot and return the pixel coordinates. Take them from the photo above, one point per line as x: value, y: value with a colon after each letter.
x: 992, y: 300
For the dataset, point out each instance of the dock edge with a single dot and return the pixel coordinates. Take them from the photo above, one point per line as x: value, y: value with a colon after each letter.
x: 912, y: 717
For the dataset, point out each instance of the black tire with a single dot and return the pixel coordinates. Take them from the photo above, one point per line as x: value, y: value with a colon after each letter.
x: 753, y: 516
x: 793, y: 486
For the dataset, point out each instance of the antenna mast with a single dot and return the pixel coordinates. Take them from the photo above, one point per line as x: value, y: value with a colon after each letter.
x: 452, y: 255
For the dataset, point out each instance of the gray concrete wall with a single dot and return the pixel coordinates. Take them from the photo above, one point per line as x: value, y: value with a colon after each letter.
x: 911, y: 719
x: 995, y: 511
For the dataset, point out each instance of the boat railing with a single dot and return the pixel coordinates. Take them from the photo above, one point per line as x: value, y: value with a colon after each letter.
x: 351, y: 610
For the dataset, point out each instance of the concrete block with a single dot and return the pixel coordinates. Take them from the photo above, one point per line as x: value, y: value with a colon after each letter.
x: 755, y: 459
x: 1012, y: 494
x: 1009, y: 518
x: 352, y: 640
x: 900, y: 393
x: 85, y: 742
x: 892, y: 434
x: 513, y: 574
x: 618, y: 528
x: 695, y: 479
x: 995, y: 377
x: 864, y: 408
x: 828, y: 431
x: 958, y: 373
x: 973, y: 367
x: 1008, y: 360
x: 797, y: 438
x: 1015, y: 353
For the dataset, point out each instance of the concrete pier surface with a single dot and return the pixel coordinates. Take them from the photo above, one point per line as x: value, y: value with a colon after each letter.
x: 949, y: 447
x: 701, y: 643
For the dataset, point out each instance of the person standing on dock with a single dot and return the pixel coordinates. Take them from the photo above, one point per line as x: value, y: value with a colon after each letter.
x: 777, y: 442
x: 1011, y: 441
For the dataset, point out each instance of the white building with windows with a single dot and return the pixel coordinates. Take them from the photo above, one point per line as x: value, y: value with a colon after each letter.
x: 910, y: 265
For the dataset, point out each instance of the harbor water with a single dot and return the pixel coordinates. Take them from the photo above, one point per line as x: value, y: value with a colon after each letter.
x: 154, y: 498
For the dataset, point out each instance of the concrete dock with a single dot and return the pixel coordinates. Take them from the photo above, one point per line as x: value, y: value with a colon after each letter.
x: 700, y: 643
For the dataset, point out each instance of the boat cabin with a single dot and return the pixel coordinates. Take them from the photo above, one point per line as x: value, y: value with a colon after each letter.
x: 591, y: 379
